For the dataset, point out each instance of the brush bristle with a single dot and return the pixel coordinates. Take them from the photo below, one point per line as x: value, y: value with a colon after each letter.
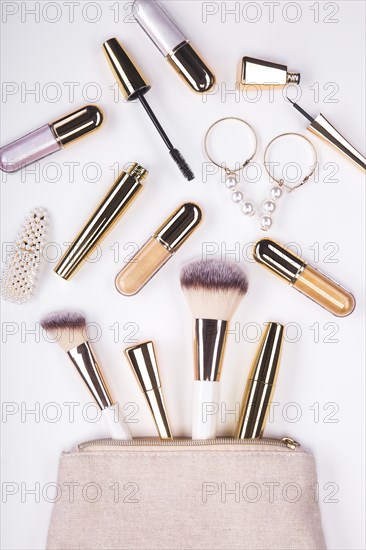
x: 182, y: 164
x: 213, y: 288
x: 67, y: 329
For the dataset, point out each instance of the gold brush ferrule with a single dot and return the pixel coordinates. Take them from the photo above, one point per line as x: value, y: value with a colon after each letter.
x: 113, y: 205
x: 261, y: 384
x: 76, y: 125
x: 322, y: 128
x: 88, y: 368
x: 266, y: 73
x: 143, y: 362
x: 209, y: 345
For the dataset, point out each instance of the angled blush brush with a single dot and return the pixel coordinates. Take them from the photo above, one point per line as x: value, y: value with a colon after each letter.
x: 213, y: 290
x: 69, y: 330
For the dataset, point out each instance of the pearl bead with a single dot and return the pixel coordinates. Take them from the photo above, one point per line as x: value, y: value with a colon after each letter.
x: 276, y: 192
x: 230, y: 182
x: 237, y: 196
x: 269, y: 207
x: 266, y: 223
x: 248, y: 209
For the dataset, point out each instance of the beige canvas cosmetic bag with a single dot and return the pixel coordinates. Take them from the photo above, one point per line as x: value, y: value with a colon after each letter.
x: 222, y: 494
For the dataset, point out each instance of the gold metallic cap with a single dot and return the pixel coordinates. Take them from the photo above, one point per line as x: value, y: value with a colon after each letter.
x: 179, y: 226
x: 261, y: 382
x: 143, y: 363
x: 77, y: 124
x: 191, y: 68
x: 278, y: 259
x: 128, y: 77
x: 266, y: 73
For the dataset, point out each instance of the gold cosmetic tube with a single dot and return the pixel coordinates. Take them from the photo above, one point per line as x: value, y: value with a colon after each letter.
x: 158, y: 249
x: 143, y: 363
x: 119, y: 197
x: 265, y: 73
x: 322, y: 128
x: 261, y: 384
x: 305, y: 278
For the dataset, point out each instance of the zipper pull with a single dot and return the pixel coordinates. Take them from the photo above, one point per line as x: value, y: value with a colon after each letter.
x: 290, y: 443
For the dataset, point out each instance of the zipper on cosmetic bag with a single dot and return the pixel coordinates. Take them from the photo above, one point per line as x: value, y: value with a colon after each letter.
x: 156, y: 442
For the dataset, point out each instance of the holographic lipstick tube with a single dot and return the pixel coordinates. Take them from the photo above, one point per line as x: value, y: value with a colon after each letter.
x: 50, y: 138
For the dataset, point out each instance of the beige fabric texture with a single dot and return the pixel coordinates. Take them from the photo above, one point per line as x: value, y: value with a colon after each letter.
x: 181, y: 499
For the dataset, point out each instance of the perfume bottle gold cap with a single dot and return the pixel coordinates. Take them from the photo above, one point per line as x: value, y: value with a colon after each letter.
x: 176, y: 229
x: 128, y: 77
x: 278, y: 259
x: 266, y: 73
x: 261, y: 383
x: 77, y: 124
x: 143, y: 362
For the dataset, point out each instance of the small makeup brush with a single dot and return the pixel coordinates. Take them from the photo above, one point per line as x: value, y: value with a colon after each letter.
x: 69, y: 330
x: 322, y: 128
x: 213, y: 290
x: 133, y: 86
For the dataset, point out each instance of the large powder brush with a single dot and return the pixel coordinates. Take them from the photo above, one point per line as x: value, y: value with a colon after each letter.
x: 69, y: 331
x: 213, y: 290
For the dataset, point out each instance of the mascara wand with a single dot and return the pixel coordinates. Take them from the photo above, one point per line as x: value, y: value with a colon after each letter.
x: 133, y: 86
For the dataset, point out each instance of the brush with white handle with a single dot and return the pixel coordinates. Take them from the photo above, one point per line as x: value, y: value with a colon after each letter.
x: 213, y: 290
x: 69, y: 330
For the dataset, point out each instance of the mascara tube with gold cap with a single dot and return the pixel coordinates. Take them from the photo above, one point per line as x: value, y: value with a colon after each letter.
x: 143, y: 363
x: 113, y: 205
x: 305, y: 278
x: 172, y: 43
x: 159, y: 249
x: 50, y: 138
x: 261, y: 384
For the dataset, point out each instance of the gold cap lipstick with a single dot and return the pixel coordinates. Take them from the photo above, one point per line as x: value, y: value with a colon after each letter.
x: 143, y: 363
x: 113, y: 205
x: 322, y: 128
x: 50, y: 138
x: 76, y: 125
x: 159, y: 249
x: 172, y: 43
x: 266, y: 73
x: 261, y: 384
x: 305, y: 278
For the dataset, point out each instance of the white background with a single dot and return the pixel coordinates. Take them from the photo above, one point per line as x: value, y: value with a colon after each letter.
x: 313, y: 371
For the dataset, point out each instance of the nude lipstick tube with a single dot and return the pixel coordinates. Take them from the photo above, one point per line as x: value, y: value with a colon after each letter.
x: 305, y: 278
x: 159, y: 249
x: 112, y: 207
x: 261, y: 384
x: 143, y: 363
x: 50, y: 138
x: 172, y: 43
